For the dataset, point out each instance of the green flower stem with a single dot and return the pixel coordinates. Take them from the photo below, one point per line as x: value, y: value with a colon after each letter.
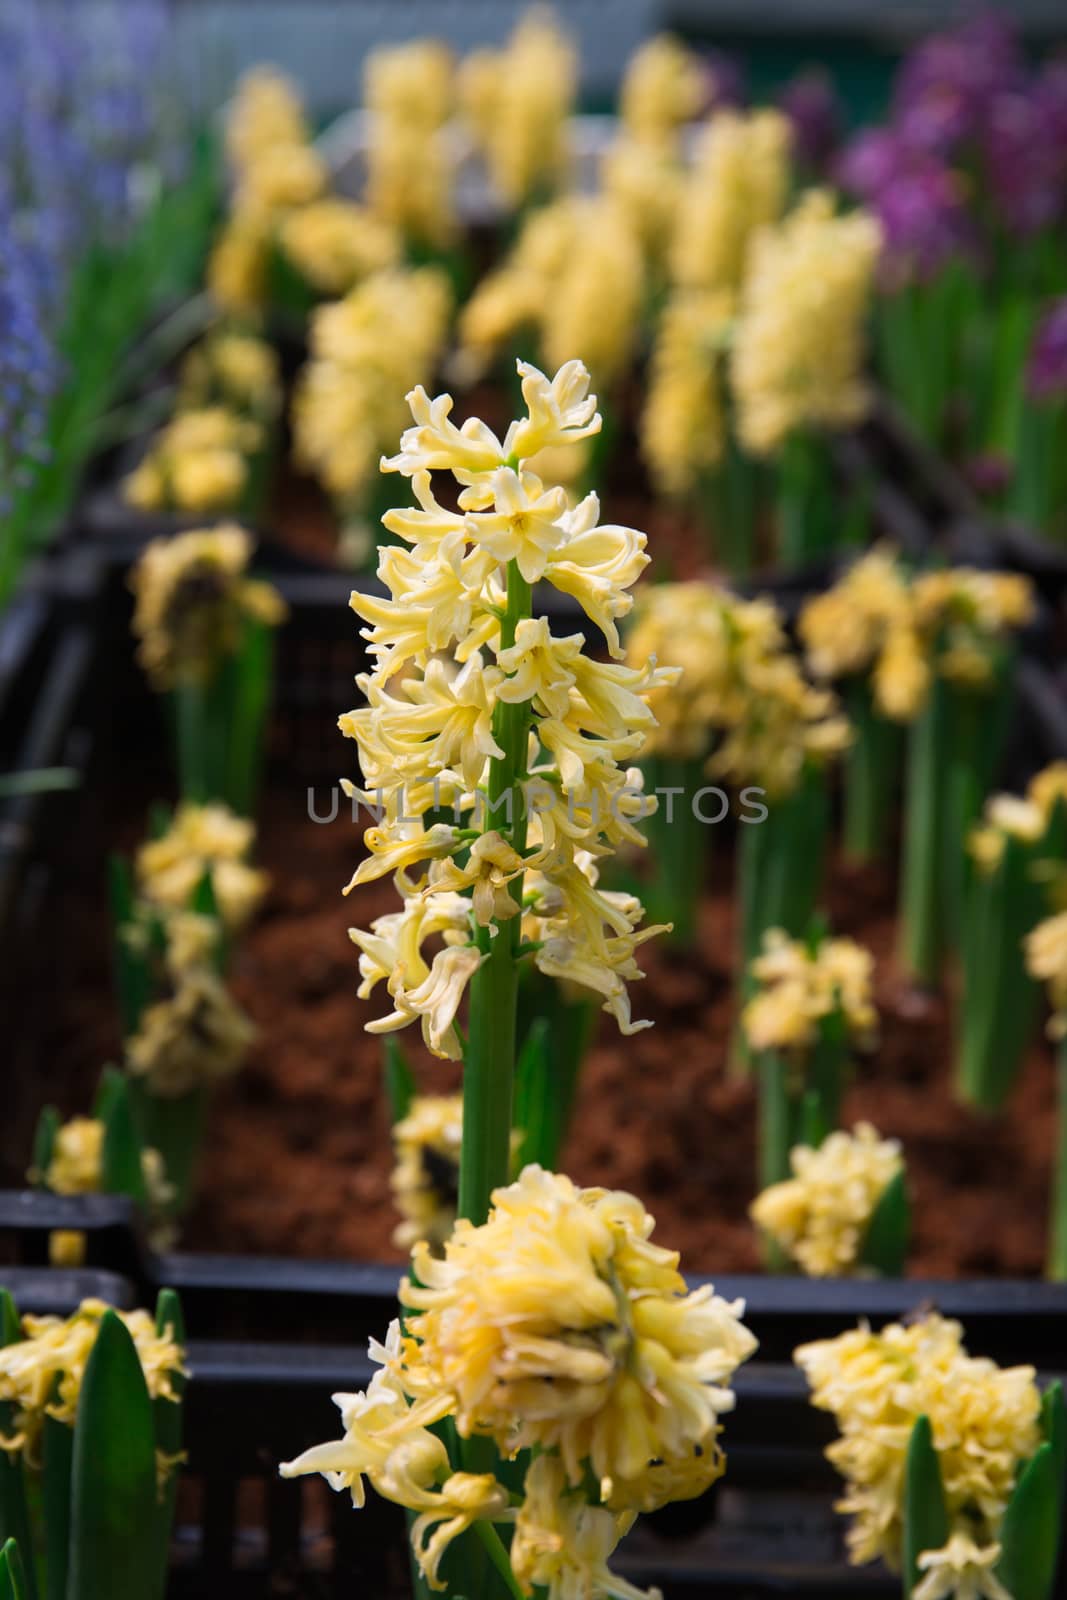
x: 922, y: 908
x: 494, y: 1547
x: 489, y: 1066
x: 1057, y: 1260
x: 870, y: 766
x: 776, y: 1132
x: 679, y: 843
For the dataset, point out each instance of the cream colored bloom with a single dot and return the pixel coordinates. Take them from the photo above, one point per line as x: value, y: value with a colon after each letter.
x: 193, y: 596
x: 801, y: 985
x: 1046, y: 960
x: 41, y: 1374
x: 1006, y: 816
x: 200, y: 461
x: 985, y: 1422
x: 798, y: 355
x: 558, y: 1323
x: 203, y: 840
x: 820, y: 1216
x: 663, y: 88
x: 516, y: 103
x: 562, y: 1543
x: 387, y: 1442
x: 334, y: 244
x: 410, y: 163
x: 683, y: 427
x: 426, y: 732
x: 366, y: 351
x: 960, y: 1571
x: 738, y: 183
x: 859, y: 625
x: 76, y: 1167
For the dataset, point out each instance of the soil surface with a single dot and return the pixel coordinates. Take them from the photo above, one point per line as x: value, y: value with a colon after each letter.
x: 297, y: 1159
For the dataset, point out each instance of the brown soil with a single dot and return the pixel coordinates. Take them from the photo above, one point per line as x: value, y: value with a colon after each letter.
x: 297, y: 1158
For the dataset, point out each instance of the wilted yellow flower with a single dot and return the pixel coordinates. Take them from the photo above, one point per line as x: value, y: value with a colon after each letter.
x: 557, y: 1323
x: 41, y: 1374
x: 201, y: 840
x: 1046, y: 960
x: 192, y: 599
x: 801, y: 983
x: 234, y: 370
x: 984, y: 1420
x: 199, y: 462
x: 386, y: 1442
x: 738, y: 182
x: 664, y: 87
x: 960, y: 1571
x: 195, y: 1037
x: 333, y: 244
x: 561, y: 1543
x: 820, y: 1216
x: 798, y: 354
x: 516, y: 102
x: 366, y: 352
x: 683, y: 426
x: 425, y: 1180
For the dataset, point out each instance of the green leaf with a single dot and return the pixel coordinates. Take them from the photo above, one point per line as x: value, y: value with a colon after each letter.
x: 122, y: 1171
x: 112, y: 1084
x: 925, y: 1519
x: 885, y: 1246
x: 44, y: 1143
x: 113, y: 1487
x: 1054, y: 1425
x: 160, y: 819
x: 534, y: 1111
x: 57, y: 1456
x: 132, y: 977
x: 399, y: 1081
x: 1030, y: 1532
x: 13, y: 1580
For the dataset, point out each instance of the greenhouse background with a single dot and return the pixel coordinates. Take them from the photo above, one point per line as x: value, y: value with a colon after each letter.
x: 533, y: 800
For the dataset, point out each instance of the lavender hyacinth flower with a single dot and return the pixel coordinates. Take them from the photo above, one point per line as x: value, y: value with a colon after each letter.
x: 1026, y: 169
x: 1046, y: 370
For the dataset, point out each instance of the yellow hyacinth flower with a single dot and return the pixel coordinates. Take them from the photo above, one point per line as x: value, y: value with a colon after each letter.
x: 574, y: 280
x: 516, y: 103
x: 76, y: 1167
x: 798, y: 354
x: 425, y: 1179
x: 801, y: 984
x: 233, y: 370
x: 199, y: 462
x: 408, y: 91
x: 561, y: 1543
x: 366, y: 351
x: 193, y: 596
x: 683, y: 426
x: 960, y: 1571
x: 203, y: 840
x: 985, y: 1422
x: 426, y: 733
x: 738, y: 183
x: 1046, y: 960
x: 41, y: 1374
x: 663, y: 88
x: 265, y: 112
x: 335, y: 244
x: 819, y: 1217
x: 557, y: 1323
